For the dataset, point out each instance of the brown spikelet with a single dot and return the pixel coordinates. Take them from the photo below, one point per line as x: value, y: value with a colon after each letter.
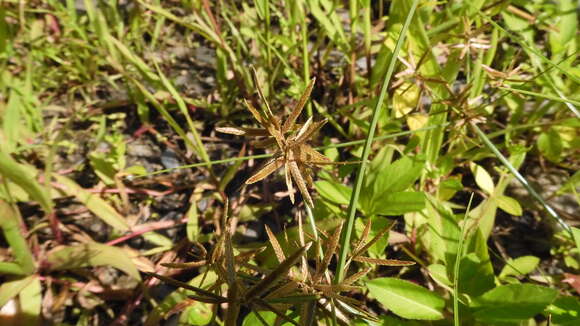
x: 384, y: 262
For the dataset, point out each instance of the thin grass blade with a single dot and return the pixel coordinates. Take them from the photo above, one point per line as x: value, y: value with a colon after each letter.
x: 347, y: 234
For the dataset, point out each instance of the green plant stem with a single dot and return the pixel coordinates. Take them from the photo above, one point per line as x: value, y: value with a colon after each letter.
x: 312, y: 223
x: 10, y: 221
x: 268, y: 47
x: 546, y: 96
x: 259, y: 156
x: 340, y: 145
x: 352, y: 207
x: 305, y: 58
x: 522, y: 180
x: 458, y: 258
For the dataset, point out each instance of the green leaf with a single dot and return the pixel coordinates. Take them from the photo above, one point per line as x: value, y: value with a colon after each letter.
x: 383, y: 57
x: 399, y: 203
x: 333, y: 192
x: 204, y: 281
x: 398, y: 176
x: 482, y: 178
x: 519, y: 266
x: 512, y: 303
x: 12, y: 269
x: 484, y: 215
x: 91, y: 254
x: 198, y: 313
x: 10, y: 289
x: 509, y: 205
x: 103, y: 167
x: 251, y: 319
x: 571, y: 184
x: 439, y: 273
x: 31, y: 303
x: 327, y: 17
x: 406, y: 299
x: 562, y: 36
x: 517, y: 155
x: 10, y: 222
x: 448, y: 188
x: 94, y: 203
x: 475, y: 276
x: 576, y: 234
x: 550, y: 145
x: 565, y: 311
x: 21, y: 176
x: 379, y: 223
x: 192, y: 227
x: 405, y: 99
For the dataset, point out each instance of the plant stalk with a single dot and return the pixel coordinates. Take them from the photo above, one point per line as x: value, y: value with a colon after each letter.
x: 352, y: 207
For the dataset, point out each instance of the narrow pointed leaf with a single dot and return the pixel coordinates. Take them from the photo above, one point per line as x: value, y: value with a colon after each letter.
x: 300, y: 183
x: 266, y: 170
x: 383, y: 262
x: 91, y: 254
x: 275, y: 245
x: 289, y: 123
x: 94, y: 203
x: 209, y: 295
x: 270, y: 279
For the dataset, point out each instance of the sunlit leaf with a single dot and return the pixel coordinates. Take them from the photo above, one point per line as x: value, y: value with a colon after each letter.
x: 519, y: 266
x: 334, y: 192
x: 512, y: 303
x: 94, y: 203
x: 21, y: 176
x: 550, y: 145
x: 91, y: 254
x: 482, y: 178
x: 406, y: 299
x: 10, y: 289
x: 399, y: 203
x: 509, y: 205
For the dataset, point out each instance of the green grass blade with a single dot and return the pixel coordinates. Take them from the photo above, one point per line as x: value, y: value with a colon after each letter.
x: 164, y: 113
x: 339, y: 145
x: 94, y: 203
x: 347, y: 233
x: 457, y: 265
x: 522, y: 180
x: 21, y: 176
x: 183, y: 108
x: 10, y: 224
x: 546, y: 96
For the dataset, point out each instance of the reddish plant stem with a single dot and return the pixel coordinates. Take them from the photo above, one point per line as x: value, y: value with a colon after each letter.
x: 144, y: 228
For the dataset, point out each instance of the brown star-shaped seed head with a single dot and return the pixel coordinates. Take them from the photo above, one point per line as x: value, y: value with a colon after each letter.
x: 292, y: 152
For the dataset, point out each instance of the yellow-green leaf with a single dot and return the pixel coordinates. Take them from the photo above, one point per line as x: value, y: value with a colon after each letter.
x: 482, y: 178
x: 92, y: 254
x: 10, y: 289
x: 20, y: 175
x: 407, y: 299
x: 519, y: 266
x: 405, y: 99
x: 94, y: 203
x: 509, y: 205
